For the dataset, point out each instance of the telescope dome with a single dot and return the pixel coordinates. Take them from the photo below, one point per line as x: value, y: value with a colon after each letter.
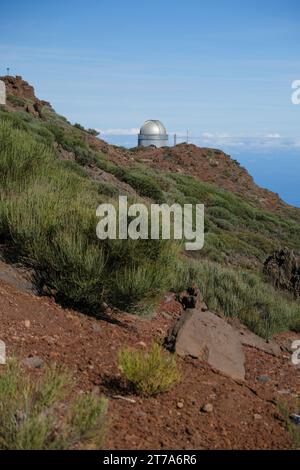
x: 154, y: 133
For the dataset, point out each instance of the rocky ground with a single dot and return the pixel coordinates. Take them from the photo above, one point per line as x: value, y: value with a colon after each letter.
x: 207, y: 410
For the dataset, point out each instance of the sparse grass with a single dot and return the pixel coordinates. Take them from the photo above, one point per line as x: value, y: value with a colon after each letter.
x: 149, y: 372
x: 15, y: 100
x: 292, y: 429
x: 36, y: 414
x: 48, y: 214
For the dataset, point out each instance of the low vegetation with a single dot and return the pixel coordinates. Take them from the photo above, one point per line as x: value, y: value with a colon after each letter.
x: 241, y: 294
x: 149, y: 372
x: 292, y: 428
x: 34, y: 414
x: 47, y: 215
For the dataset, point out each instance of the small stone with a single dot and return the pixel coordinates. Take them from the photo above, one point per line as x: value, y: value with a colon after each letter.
x: 295, y: 418
x: 263, y: 379
x: 208, y: 408
x: 257, y: 416
x: 142, y: 344
x: 166, y: 315
x: 180, y: 405
x: 284, y: 392
x: 96, y: 328
x: 35, y: 362
x: 27, y: 323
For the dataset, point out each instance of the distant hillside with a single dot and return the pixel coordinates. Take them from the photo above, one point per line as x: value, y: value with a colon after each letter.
x: 54, y: 174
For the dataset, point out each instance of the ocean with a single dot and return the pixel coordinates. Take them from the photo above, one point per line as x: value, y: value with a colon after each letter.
x: 275, y: 169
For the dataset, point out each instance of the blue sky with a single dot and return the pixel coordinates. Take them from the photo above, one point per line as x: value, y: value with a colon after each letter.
x: 223, y: 69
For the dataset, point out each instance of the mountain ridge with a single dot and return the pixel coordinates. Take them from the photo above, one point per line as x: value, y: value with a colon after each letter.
x: 207, y: 164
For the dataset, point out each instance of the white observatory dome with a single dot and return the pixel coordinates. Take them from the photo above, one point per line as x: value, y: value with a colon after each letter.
x: 154, y: 133
x: 153, y: 128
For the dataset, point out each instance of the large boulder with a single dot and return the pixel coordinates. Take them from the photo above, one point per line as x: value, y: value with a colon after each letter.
x: 206, y: 336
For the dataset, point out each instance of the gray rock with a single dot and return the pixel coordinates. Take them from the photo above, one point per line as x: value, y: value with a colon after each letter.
x: 263, y: 379
x: 206, y: 336
x: 253, y: 341
x: 34, y: 362
x: 295, y: 419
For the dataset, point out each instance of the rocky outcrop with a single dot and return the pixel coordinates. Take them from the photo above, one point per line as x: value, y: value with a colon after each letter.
x: 251, y: 340
x: 18, y: 87
x: 213, y: 338
x: 283, y: 270
x: 206, y: 336
x: 21, y: 89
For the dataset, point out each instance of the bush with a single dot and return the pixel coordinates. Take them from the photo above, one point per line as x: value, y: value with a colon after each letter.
x: 79, y: 126
x: 93, y: 132
x: 16, y: 100
x: 150, y: 372
x: 48, y: 214
x: 32, y: 416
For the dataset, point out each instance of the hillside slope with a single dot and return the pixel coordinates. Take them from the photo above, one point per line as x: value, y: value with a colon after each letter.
x: 245, y: 415
x: 54, y: 175
x: 54, y: 271
x: 207, y: 164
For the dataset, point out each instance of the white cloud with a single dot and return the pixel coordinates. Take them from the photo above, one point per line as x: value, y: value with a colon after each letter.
x: 131, y: 131
x: 221, y: 140
x: 254, y: 142
x: 210, y: 135
x: 273, y: 136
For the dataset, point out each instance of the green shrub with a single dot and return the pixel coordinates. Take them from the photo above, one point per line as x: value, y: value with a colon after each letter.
x: 79, y: 126
x: 48, y: 214
x: 31, y: 416
x: 93, y: 132
x: 150, y: 372
x: 15, y: 100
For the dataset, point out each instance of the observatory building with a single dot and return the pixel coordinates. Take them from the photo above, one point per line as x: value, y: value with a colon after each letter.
x: 153, y: 133
x: 2, y: 92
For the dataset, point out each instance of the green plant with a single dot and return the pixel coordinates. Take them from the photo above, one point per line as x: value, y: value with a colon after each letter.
x: 93, y: 132
x: 292, y: 429
x: 34, y: 414
x: 149, y: 372
x: 15, y: 100
x: 48, y: 214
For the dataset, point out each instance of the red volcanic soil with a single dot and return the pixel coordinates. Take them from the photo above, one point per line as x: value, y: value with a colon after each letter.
x: 244, y: 416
